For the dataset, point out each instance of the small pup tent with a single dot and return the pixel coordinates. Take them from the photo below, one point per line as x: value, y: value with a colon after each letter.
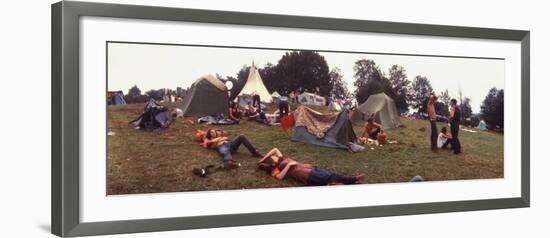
x: 311, y: 99
x: 115, y: 98
x: 379, y: 106
x: 207, y: 96
x: 154, y: 117
x: 482, y: 125
x: 333, y: 130
x: 255, y: 85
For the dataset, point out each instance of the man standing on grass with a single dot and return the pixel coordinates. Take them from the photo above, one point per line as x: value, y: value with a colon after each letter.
x: 454, y: 120
x: 433, y: 119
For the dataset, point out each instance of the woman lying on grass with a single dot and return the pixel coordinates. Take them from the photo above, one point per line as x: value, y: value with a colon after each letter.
x: 281, y: 167
x: 214, y: 140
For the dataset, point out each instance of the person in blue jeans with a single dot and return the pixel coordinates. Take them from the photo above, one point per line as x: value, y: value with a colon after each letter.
x: 283, y: 104
x: 280, y: 167
x: 226, y: 147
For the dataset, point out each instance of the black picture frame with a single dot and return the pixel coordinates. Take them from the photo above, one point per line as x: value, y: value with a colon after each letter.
x: 65, y: 118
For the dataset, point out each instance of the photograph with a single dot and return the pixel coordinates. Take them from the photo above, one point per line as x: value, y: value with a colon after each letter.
x: 183, y: 117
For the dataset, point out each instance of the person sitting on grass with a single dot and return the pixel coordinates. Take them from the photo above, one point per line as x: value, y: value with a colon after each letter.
x: 372, y: 129
x: 256, y: 115
x: 280, y: 167
x: 443, y: 139
x: 251, y: 112
x: 235, y: 113
x: 214, y: 140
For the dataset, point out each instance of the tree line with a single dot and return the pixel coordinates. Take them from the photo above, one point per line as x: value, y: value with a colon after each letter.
x: 309, y: 71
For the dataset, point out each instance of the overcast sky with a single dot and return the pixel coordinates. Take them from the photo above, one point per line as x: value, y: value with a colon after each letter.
x: 170, y: 66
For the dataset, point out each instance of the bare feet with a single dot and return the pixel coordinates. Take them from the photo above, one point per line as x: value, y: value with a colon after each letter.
x: 359, y: 179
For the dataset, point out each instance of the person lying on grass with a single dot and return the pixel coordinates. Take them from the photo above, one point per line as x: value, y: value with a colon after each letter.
x: 280, y: 167
x: 215, y: 140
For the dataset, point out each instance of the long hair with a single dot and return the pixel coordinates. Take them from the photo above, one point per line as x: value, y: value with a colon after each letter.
x: 208, y: 136
x: 267, y: 165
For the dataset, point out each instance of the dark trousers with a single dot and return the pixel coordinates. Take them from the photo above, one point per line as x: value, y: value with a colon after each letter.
x: 256, y: 102
x: 455, y: 143
x: 228, y: 148
x: 374, y: 135
x: 446, y: 144
x: 283, y: 108
x: 433, y: 137
x: 320, y: 177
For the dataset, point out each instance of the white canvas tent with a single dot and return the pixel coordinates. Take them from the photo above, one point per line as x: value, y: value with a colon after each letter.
x: 334, y: 106
x: 275, y: 95
x: 255, y: 85
x: 380, y: 107
x: 311, y: 99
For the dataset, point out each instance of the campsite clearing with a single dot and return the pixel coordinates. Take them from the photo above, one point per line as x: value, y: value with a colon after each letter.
x: 151, y: 162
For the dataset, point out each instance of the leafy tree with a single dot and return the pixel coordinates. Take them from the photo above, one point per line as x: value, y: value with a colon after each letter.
x: 381, y: 85
x: 339, y: 88
x: 420, y: 89
x: 270, y: 79
x: 445, y: 98
x: 365, y: 70
x: 466, y: 108
x: 443, y: 103
x: 399, y: 85
x: 180, y: 92
x: 134, y: 95
x: 492, y: 108
x: 474, y: 120
x: 155, y: 94
x: 306, y: 69
x: 440, y: 108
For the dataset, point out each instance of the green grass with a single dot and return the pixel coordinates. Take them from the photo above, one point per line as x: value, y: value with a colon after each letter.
x: 152, y: 162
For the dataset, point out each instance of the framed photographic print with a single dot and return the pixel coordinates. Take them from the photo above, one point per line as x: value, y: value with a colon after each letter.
x: 161, y: 117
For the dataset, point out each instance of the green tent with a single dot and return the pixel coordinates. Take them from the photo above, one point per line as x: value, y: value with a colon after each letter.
x: 380, y: 107
x: 207, y: 96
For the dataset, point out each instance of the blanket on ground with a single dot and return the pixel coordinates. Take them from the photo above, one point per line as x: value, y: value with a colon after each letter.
x: 217, y: 120
x: 315, y: 122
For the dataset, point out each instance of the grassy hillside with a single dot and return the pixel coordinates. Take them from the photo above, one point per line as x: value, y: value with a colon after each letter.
x: 150, y: 162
